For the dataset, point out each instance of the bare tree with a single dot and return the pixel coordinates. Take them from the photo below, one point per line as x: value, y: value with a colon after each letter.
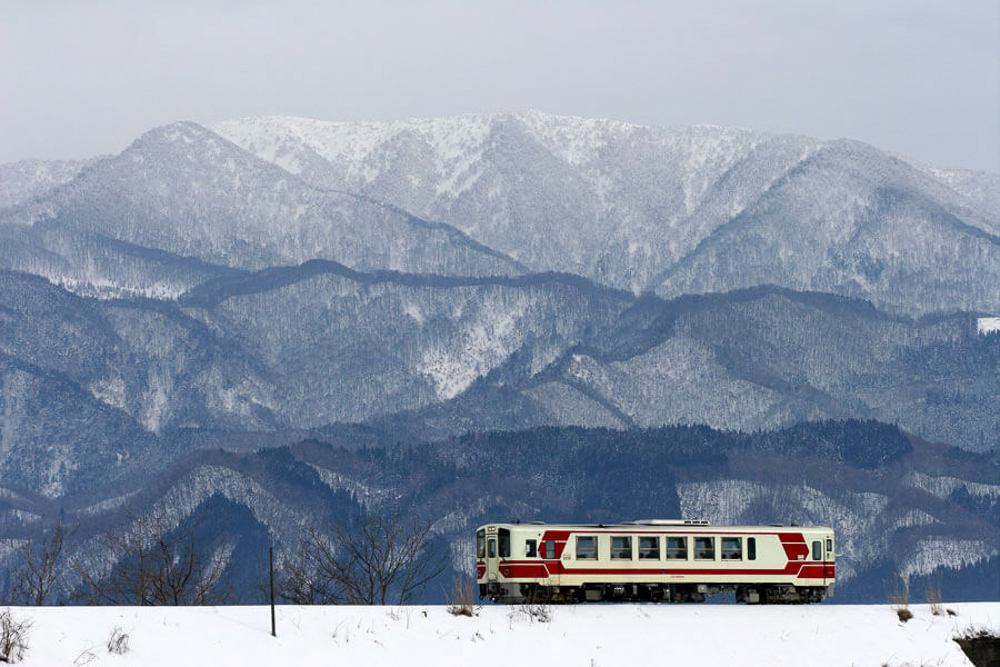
x: 307, y: 576
x: 385, y: 560
x: 157, y: 564
x: 42, y: 566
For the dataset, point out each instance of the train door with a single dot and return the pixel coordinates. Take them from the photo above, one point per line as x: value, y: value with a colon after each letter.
x: 817, y: 555
x: 497, y: 548
x: 492, y: 561
x: 552, y: 566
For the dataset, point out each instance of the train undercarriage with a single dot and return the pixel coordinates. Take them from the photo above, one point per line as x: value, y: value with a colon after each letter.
x: 748, y: 593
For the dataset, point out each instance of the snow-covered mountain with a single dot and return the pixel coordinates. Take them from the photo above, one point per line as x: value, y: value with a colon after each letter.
x: 21, y: 181
x: 673, y: 210
x: 186, y: 191
x: 216, y: 311
x: 606, y: 199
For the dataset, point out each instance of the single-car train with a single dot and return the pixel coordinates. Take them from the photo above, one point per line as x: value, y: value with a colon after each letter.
x: 653, y: 560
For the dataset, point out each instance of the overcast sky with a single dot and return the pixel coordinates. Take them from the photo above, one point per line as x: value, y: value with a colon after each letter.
x: 917, y: 77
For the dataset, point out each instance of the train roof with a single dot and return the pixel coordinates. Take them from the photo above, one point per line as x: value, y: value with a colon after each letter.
x: 696, y: 525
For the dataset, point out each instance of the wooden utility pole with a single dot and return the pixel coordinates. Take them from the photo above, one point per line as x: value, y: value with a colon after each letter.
x: 270, y: 555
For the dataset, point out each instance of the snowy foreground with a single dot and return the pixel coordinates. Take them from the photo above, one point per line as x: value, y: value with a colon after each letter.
x: 583, y: 635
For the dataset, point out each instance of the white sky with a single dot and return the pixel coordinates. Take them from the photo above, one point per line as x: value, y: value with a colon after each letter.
x: 920, y: 77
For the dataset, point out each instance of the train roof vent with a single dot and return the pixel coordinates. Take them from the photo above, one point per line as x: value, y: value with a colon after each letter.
x: 672, y: 522
x: 537, y: 523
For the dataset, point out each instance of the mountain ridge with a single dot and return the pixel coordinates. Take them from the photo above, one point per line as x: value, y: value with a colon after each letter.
x: 185, y: 190
x: 530, y: 182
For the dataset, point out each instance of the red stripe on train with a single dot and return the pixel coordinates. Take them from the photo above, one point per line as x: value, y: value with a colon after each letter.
x: 794, y: 545
x: 543, y: 569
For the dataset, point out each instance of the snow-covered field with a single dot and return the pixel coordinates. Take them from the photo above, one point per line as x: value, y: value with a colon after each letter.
x: 586, y: 635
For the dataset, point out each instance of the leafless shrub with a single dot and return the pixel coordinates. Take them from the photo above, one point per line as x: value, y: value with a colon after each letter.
x: 540, y: 612
x: 900, y: 597
x: 13, y: 637
x: 118, y: 641
x: 157, y: 564
x: 463, y: 596
x: 979, y: 632
x: 534, y: 611
x: 934, y: 598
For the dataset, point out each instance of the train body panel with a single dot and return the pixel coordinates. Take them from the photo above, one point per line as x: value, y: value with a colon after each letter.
x: 657, y: 560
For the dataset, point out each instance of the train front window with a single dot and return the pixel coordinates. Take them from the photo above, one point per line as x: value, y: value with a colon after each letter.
x: 649, y: 548
x: 677, y: 548
x: 621, y: 547
x: 491, y: 548
x: 829, y: 546
x: 480, y: 544
x: 586, y: 548
x: 704, y: 548
x: 504, y: 542
x: 731, y: 548
x: 530, y: 548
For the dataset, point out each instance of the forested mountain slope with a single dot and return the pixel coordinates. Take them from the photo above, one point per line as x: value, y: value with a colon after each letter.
x: 899, y: 505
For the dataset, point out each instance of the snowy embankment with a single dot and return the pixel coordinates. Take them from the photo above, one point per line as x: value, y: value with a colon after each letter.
x: 583, y: 635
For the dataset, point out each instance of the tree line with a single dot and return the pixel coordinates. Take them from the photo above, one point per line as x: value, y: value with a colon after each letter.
x: 386, y: 558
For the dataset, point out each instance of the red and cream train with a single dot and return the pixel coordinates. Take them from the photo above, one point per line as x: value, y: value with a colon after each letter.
x: 658, y: 559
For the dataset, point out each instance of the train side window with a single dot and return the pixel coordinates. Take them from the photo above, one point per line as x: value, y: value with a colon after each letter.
x: 704, y: 548
x: 480, y: 544
x: 677, y: 548
x: 530, y: 550
x: 649, y: 548
x: 550, y: 548
x: 829, y: 545
x: 731, y: 548
x: 586, y: 547
x: 751, y: 548
x: 817, y: 550
x: 504, y: 543
x: 621, y: 547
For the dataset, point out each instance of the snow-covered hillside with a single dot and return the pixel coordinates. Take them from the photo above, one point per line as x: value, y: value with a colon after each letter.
x: 20, y: 181
x: 610, y: 200
x: 187, y: 191
x: 678, y: 210
x: 596, y: 635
